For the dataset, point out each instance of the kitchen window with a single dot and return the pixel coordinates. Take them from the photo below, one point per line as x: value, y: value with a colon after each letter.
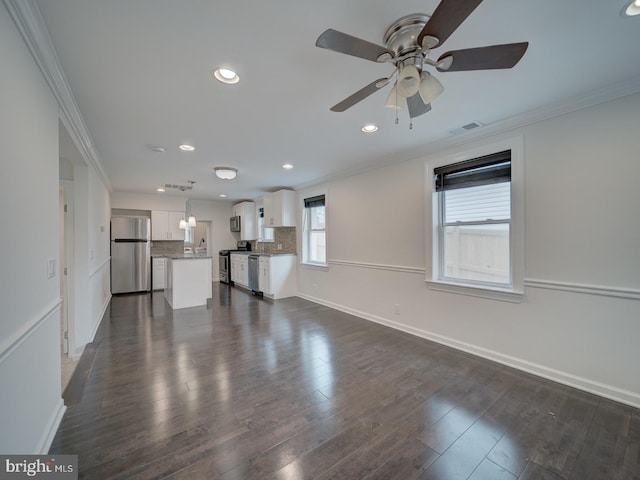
x: 265, y: 234
x: 477, y: 243
x: 314, y: 247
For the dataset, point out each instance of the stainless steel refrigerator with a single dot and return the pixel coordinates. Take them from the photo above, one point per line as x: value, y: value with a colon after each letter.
x: 130, y: 255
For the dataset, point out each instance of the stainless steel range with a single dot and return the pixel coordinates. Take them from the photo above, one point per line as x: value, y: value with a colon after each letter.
x: 225, y: 260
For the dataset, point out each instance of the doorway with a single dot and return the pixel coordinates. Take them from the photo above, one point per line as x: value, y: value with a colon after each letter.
x: 67, y: 364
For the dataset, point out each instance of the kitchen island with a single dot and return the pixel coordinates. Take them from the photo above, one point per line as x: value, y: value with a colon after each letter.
x: 187, y: 280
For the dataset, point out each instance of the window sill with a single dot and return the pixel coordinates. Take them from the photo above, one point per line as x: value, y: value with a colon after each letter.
x: 315, y: 266
x: 503, y: 295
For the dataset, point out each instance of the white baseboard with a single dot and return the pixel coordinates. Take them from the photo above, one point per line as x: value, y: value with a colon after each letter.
x: 52, y: 427
x: 607, y: 391
x: 100, y: 317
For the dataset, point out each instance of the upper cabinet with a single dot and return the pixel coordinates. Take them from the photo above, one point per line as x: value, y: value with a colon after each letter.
x: 248, y: 224
x: 280, y: 209
x: 165, y: 225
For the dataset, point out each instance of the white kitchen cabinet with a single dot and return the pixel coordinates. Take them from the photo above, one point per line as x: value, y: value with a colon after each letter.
x: 175, y: 232
x: 165, y: 225
x: 264, y: 285
x: 280, y: 209
x: 240, y: 269
x: 278, y: 276
x: 248, y: 221
x: 158, y: 266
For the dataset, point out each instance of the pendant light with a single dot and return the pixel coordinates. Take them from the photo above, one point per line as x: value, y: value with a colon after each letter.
x: 192, y: 221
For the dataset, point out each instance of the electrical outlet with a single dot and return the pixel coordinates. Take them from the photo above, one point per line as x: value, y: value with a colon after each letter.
x: 279, y: 246
x: 91, y: 255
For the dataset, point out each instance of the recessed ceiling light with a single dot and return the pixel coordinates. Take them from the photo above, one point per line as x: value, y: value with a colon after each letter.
x: 222, y: 195
x: 186, y: 148
x: 287, y: 166
x: 632, y: 9
x: 157, y: 149
x: 160, y: 189
x: 225, y: 75
x: 369, y: 128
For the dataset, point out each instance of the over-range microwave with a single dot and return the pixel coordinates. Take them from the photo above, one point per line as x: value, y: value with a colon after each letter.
x: 234, y: 223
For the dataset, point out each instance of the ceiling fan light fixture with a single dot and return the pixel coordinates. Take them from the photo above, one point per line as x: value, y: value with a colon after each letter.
x: 393, y: 101
x: 408, y: 81
x: 225, y: 173
x: 430, y: 87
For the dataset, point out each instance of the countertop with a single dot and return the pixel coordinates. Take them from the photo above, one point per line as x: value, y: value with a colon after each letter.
x: 186, y: 256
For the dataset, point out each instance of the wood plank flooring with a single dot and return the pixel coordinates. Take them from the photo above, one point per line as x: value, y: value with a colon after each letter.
x: 247, y: 389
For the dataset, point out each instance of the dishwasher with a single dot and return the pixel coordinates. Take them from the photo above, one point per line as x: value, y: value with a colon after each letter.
x: 254, y: 274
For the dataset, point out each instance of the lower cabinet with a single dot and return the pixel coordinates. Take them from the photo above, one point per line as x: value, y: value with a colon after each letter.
x: 263, y: 277
x: 240, y: 269
x: 158, y: 267
x: 278, y: 276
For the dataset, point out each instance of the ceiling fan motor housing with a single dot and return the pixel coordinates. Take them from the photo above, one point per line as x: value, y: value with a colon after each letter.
x: 402, y: 36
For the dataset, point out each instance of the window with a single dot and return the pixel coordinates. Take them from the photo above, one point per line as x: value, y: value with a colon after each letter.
x: 314, y: 249
x: 264, y: 234
x: 473, y: 220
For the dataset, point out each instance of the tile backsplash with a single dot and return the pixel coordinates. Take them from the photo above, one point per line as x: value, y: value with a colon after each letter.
x: 285, y: 236
x: 167, y: 247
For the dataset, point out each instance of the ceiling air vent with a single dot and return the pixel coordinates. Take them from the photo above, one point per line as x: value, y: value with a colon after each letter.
x: 466, y: 128
x: 182, y: 188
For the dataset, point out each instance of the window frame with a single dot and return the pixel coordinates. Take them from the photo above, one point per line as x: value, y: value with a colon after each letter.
x: 306, y: 231
x: 262, y: 228
x: 433, y: 235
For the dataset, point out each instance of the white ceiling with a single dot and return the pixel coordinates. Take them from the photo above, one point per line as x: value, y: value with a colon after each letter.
x: 140, y: 73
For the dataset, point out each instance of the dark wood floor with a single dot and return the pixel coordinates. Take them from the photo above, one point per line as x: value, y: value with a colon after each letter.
x: 248, y: 389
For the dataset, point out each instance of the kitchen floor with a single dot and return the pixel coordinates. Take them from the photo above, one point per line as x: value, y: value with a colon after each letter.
x: 250, y: 389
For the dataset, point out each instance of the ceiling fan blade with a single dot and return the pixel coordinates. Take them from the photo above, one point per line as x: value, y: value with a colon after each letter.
x: 446, y: 18
x: 416, y: 106
x: 360, y: 95
x: 483, y: 58
x: 343, y: 43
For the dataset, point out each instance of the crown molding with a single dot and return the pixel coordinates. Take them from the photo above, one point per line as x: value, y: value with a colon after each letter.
x: 27, y: 17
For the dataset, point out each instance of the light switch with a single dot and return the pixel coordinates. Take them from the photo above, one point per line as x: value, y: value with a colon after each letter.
x: 51, y: 268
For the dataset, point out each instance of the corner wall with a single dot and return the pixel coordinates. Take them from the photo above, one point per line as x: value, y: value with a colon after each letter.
x: 580, y: 319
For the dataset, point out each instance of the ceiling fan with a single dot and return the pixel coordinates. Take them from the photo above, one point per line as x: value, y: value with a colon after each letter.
x: 407, y: 46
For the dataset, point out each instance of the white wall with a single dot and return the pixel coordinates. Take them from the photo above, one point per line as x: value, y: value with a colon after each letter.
x: 579, y: 322
x: 30, y: 403
x: 99, y: 251
x: 137, y: 201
